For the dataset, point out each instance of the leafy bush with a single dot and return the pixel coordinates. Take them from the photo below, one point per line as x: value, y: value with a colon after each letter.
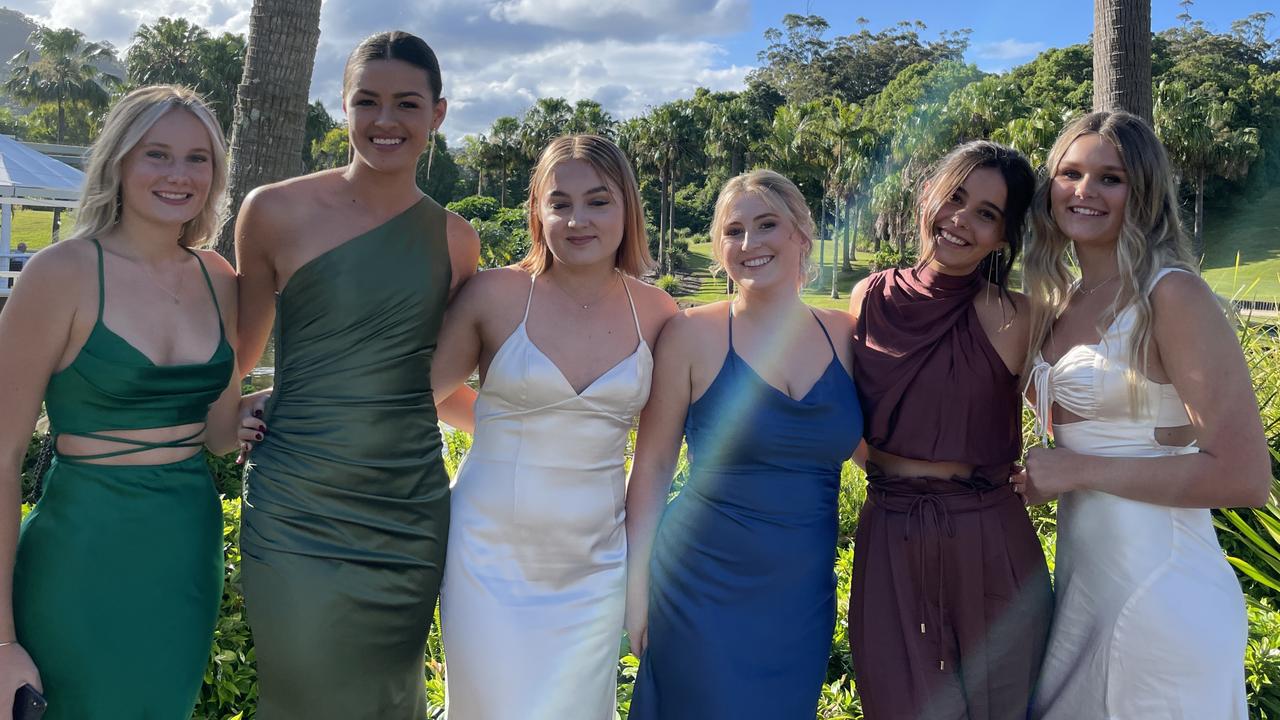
x: 668, y: 284
x: 475, y: 207
x: 889, y: 257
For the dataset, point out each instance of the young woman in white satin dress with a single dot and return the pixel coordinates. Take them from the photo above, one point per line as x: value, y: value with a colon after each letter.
x: 1140, y: 379
x: 534, y: 589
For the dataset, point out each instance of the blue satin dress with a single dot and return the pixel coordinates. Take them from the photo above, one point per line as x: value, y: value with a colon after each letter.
x: 742, y: 584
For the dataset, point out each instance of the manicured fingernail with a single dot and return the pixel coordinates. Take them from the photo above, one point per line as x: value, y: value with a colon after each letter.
x: 259, y: 436
x: 257, y: 413
x: 262, y: 428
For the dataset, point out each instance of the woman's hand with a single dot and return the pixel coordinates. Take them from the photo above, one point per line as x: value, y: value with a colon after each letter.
x: 16, y: 670
x: 636, y: 623
x: 252, y: 428
x: 1049, y: 473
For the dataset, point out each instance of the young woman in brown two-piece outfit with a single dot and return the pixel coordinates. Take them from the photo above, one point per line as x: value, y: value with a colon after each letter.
x: 951, y: 600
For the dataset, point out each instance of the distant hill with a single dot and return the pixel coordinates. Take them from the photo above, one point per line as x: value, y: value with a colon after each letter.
x: 14, y: 30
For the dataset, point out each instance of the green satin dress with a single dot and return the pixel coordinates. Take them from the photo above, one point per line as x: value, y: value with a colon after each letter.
x: 118, y: 574
x: 347, y: 500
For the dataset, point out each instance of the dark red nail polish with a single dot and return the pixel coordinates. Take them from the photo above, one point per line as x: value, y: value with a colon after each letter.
x: 262, y: 428
x: 259, y: 436
x: 257, y: 413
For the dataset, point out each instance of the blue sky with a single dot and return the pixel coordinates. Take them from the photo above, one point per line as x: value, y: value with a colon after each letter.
x: 1006, y: 33
x: 498, y: 56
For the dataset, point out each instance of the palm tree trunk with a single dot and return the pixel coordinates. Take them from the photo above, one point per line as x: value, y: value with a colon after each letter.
x: 835, y: 256
x: 850, y: 239
x: 62, y: 121
x: 1197, y: 237
x: 1122, y: 56
x: 671, y: 218
x: 662, y: 215
x: 822, y: 246
x: 271, y: 102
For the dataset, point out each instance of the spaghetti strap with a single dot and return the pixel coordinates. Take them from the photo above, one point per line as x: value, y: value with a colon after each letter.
x: 824, y: 331
x: 527, y: 303
x: 731, y: 326
x: 222, y: 331
x: 102, y: 281
x: 634, y: 315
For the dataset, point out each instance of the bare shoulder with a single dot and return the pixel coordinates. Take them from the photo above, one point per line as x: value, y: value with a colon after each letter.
x: 496, y: 285
x: 46, y: 277
x: 282, y: 204
x: 220, y: 271
x: 1179, y: 292
x: 856, y: 297
x: 690, y: 327
x: 462, y: 236
x: 835, y: 320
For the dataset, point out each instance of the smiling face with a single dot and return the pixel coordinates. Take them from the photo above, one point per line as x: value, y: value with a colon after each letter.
x: 582, y: 217
x: 759, y: 247
x: 390, y: 114
x: 165, y: 178
x: 970, y: 223
x: 1089, y: 190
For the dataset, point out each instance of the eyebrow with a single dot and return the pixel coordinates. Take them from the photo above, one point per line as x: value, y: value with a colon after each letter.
x: 396, y: 96
x: 592, y: 191
x: 1107, y: 168
x: 165, y: 146
x: 985, y: 203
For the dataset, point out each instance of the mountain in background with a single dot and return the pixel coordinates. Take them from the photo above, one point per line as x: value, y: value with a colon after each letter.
x: 14, y: 30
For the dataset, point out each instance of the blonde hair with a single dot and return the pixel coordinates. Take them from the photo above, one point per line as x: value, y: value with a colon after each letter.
x: 611, y: 165
x: 782, y: 196
x: 124, y: 127
x: 1151, y: 238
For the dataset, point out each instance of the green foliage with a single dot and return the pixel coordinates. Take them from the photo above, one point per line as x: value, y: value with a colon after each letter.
x: 888, y: 256
x: 504, y: 239
x: 332, y: 150
x: 1262, y: 661
x: 438, y: 175
x: 177, y: 51
x: 475, y: 207
x: 669, y: 284
x: 231, y: 679
x: 319, y: 123
x: 68, y: 71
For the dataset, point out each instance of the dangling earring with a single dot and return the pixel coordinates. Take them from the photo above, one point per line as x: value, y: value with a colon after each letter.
x: 431, y: 151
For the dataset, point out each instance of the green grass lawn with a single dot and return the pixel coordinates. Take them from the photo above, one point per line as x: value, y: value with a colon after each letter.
x: 817, y: 293
x: 1250, y: 232
x: 35, y: 228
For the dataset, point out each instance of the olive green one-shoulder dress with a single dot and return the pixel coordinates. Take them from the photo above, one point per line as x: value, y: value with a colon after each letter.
x: 346, y: 508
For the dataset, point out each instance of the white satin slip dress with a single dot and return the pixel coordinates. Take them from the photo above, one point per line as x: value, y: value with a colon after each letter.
x: 535, y: 577
x: 1149, y: 620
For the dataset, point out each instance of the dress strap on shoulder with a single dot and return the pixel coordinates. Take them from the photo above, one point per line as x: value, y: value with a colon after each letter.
x: 1162, y: 272
x: 527, y: 303
x: 730, y: 326
x: 102, y: 281
x: 213, y: 294
x: 825, y: 334
x: 634, y: 315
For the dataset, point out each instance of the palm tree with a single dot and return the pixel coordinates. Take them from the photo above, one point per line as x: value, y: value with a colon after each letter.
x: 180, y: 52
x: 590, y: 117
x: 1122, y: 56
x: 1196, y: 127
x: 271, y: 102
x: 547, y: 119
x: 504, y: 137
x: 68, y: 69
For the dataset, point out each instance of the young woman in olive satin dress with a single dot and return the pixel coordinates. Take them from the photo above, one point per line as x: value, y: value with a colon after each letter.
x: 347, y: 502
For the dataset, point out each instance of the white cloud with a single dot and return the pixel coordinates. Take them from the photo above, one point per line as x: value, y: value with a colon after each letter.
x: 1009, y: 49
x: 497, y: 56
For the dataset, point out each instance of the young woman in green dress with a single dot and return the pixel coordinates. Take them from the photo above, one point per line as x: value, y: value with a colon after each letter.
x: 347, y: 501
x: 126, y: 331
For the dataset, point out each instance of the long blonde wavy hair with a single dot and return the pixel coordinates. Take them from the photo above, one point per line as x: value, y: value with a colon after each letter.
x: 1151, y: 238
x: 128, y: 121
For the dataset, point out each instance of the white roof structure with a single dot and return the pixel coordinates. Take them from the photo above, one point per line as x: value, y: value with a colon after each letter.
x: 29, y: 177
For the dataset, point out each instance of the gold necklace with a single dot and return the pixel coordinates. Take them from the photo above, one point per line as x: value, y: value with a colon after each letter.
x: 176, y: 292
x: 587, y: 306
x: 1080, y: 288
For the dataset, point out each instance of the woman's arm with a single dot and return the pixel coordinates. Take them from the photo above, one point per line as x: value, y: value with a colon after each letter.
x: 1202, y: 357
x: 464, y: 250
x: 36, y: 326
x: 657, y: 451
x: 223, y: 421
x: 257, y: 276
x: 459, y: 409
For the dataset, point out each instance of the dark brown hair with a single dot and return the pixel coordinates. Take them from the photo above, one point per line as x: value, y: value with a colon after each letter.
x: 395, y: 45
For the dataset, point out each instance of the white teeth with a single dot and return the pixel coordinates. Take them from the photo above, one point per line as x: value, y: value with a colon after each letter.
x: 387, y: 141
x: 952, y: 239
x: 757, y: 262
x: 172, y: 196
x: 1086, y: 211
